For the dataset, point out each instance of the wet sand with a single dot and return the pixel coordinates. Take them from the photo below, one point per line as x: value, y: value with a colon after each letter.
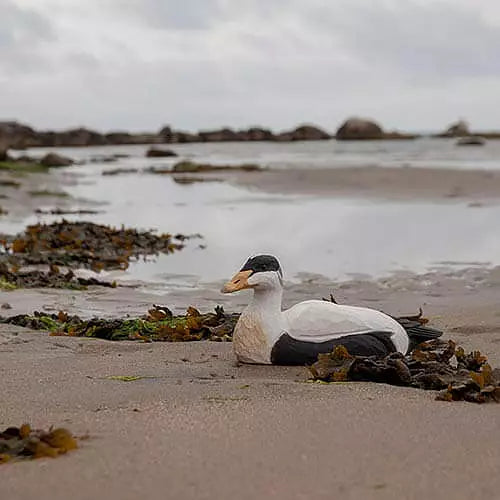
x: 201, y: 427
x: 377, y: 182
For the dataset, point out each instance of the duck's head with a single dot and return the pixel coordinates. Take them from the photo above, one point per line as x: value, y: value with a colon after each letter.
x: 262, y: 272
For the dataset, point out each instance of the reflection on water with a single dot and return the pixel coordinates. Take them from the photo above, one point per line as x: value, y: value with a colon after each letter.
x: 332, y: 237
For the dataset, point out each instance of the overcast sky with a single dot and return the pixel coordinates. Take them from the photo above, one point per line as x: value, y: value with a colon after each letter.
x: 140, y: 64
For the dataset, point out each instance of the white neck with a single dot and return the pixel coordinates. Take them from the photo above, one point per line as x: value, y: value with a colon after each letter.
x: 266, y: 304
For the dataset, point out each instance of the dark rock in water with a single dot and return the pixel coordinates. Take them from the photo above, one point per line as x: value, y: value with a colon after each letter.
x: 55, y: 160
x: 355, y: 129
x: 3, y: 154
x: 190, y: 167
x: 119, y: 171
x: 471, y: 141
x: 160, y: 153
x: 429, y: 366
x: 60, y: 211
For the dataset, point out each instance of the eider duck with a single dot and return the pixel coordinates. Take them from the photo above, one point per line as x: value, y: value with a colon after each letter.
x: 264, y: 334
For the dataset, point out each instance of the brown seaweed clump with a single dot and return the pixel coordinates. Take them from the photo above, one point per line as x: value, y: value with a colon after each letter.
x: 158, y: 325
x: 21, y: 443
x: 85, y: 244
x: 10, y: 279
x: 434, y: 365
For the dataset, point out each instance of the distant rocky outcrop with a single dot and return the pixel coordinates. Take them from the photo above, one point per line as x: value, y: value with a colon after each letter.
x: 18, y: 136
x: 358, y: 129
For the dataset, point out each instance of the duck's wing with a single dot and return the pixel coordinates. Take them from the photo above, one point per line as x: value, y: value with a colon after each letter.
x: 320, y: 321
x: 315, y: 327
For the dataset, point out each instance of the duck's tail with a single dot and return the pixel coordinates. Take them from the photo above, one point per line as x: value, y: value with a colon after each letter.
x: 417, y: 330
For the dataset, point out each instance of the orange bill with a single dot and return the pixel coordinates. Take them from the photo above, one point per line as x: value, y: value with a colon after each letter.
x: 238, y: 282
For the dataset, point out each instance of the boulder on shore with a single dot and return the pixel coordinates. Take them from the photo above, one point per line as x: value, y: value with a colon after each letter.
x: 160, y: 153
x: 357, y: 129
x: 55, y: 160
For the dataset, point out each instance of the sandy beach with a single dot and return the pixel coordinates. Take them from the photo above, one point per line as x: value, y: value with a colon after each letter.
x: 162, y: 161
x: 199, y: 426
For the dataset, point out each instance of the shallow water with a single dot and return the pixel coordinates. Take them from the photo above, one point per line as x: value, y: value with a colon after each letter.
x: 424, y: 152
x: 336, y: 237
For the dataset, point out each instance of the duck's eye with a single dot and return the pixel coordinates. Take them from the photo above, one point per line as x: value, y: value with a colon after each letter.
x: 236, y: 282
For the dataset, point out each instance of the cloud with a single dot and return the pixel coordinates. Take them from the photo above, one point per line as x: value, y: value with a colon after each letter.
x: 138, y: 64
x: 22, y: 33
x: 430, y: 39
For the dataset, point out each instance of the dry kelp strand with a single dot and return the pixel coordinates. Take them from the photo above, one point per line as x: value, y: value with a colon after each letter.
x: 434, y: 365
x: 21, y: 443
x: 158, y: 325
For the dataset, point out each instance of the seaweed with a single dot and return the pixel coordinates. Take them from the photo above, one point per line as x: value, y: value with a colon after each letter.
x: 434, y: 365
x: 46, y: 192
x: 23, y: 166
x: 23, y: 443
x: 11, y: 279
x: 85, y: 244
x: 158, y: 325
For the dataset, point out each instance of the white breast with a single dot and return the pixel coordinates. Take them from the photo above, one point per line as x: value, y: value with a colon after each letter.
x: 250, y: 342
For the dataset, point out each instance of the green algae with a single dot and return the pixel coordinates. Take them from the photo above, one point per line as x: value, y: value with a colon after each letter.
x: 46, y: 192
x: 6, y: 285
x: 158, y: 325
x: 23, y: 166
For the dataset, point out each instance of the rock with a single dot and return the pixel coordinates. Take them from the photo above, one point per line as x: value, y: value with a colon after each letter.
x: 395, y: 135
x: 16, y: 136
x: 185, y: 137
x: 222, y: 135
x: 307, y: 133
x: 459, y: 129
x: 167, y: 134
x: 3, y: 154
x: 190, y: 167
x: 256, y: 134
x: 355, y: 129
x: 471, y: 140
x: 160, y: 153
x: 55, y: 160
